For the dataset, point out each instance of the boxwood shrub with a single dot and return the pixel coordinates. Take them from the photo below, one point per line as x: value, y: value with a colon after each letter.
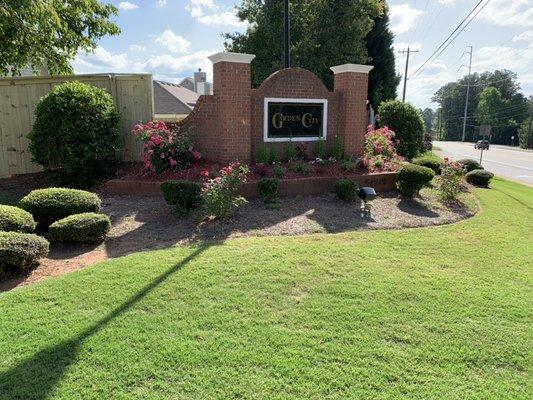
x: 430, y: 161
x: 479, y: 177
x: 14, y: 219
x: 81, y: 228
x: 48, y: 205
x: 75, y: 134
x: 19, y: 251
x: 185, y: 196
x: 412, y: 178
x: 346, y: 189
x: 470, y: 164
x: 268, y: 188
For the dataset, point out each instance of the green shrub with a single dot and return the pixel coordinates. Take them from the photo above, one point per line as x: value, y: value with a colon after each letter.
x: 75, y: 134
x: 349, y: 165
x: 48, y: 205
x: 81, y: 228
x: 274, y: 156
x: 412, y: 178
x: 430, y: 161
x: 277, y: 171
x: 407, y: 124
x: 300, y: 167
x: 319, y: 149
x: 262, y: 154
x: 19, y: 251
x: 337, y: 150
x: 268, y: 188
x: 185, y: 196
x: 470, y: 164
x: 479, y: 177
x: 14, y: 219
x: 290, y: 151
x: 346, y: 189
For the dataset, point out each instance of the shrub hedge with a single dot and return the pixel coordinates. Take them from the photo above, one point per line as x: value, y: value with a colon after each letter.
x: 268, y: 188
x: 346, y: 189
x: 430, y: 161
x: 14, y: 219
x: 75, y: 134
x: 470, y: 164
x: 48, y: 205
x: 81, y: 228
x: 412, y: 178
x: 19, y: 251
x: 185, y: 196
x: 479, y: 177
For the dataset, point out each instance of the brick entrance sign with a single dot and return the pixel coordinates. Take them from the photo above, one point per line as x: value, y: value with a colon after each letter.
x: 292, y: 105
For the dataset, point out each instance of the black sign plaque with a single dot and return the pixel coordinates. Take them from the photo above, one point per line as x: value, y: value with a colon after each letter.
x: 287, y: 120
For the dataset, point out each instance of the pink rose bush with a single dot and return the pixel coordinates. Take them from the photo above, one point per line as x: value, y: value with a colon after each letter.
x: 163, y: 149
x: 450, y: 179
x: 380, y: 151
x: 220, y: 193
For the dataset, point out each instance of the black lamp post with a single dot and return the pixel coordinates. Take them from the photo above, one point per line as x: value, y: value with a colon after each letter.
x: 287, y: 36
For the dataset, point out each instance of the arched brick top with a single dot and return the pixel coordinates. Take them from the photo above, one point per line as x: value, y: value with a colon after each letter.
x: 281, y: 80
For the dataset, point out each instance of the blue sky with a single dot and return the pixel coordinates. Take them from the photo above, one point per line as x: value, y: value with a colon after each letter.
x: 172, y: 38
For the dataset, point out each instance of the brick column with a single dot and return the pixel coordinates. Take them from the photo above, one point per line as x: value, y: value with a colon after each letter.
x: 232, y: 90
x: 351, y: 82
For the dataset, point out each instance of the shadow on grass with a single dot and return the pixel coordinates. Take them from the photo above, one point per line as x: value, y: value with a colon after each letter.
x: 37, y: 376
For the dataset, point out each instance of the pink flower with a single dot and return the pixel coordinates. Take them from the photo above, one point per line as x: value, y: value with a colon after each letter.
x: 162, y: 155
x: 157, y: 140
x: 204, y: 173
x: 173, y: 162
x: 197, y: 155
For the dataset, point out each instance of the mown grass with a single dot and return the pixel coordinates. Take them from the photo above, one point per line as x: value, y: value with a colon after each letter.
x: 435, y: 313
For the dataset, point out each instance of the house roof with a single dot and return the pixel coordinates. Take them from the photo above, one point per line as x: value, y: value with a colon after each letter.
x: 171, y: 98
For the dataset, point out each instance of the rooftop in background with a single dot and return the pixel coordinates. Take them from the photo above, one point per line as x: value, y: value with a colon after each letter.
x: 171, y: 99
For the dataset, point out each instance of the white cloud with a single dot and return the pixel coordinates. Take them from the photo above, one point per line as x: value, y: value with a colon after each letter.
x: 207, y: 12
x: 167, y: 65
x: 199, y: 8
x: 509, y: 12
x: 228, y: 18
x: 447, y: 2
x: 100, y: 59
x: 160, y: 3
x: 175, y: 43
x: 500, y: 57
x: 526, y: 36
x: 126, y: 5
x: 137, y: 47
x: 403, y: 18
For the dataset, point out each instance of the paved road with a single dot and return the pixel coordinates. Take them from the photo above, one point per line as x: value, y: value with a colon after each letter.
x: 504, y: 161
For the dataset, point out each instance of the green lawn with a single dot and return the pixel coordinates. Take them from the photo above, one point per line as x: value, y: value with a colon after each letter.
x: 437, y: 313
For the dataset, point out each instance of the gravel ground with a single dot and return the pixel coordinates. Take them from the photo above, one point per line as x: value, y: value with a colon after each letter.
x: 144, y: 223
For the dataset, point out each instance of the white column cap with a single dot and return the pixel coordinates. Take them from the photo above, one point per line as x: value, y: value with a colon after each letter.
x: 231, y: 57
x: 362, y: 69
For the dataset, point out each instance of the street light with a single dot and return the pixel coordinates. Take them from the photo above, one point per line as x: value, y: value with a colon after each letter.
x: 287, y: 36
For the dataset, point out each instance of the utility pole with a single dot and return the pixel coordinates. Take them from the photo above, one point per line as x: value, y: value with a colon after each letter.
x: 467, y: 89
x: 287, y: 36
x: 408, y: 52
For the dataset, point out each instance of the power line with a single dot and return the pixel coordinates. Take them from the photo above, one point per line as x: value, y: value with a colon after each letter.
x: 408, y: 51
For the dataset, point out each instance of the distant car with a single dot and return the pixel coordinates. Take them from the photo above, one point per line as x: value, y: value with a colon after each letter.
x: 482, y: 144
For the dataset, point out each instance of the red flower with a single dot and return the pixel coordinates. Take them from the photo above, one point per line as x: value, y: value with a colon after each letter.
x: 204, y: 173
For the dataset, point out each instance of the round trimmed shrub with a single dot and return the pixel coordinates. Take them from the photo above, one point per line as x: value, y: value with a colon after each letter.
x: 407, y: 124
x: 469, y: 164
x: 435, y: 163
x: 75, y: 134
x: 19, y: 251
x: 411, y: 178
x: 48, y: 205
x: 479, y: 177
x: 346, y: 189
x: 185, y: 196
x: 268, y: 188
x: 81, y: 228
x: 14, y: 219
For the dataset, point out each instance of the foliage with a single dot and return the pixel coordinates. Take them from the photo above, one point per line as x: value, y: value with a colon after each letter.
x: 479, y: 177
x: 19, y: 251
x: 407, y: 124
x: 412, y: 178
x: 379, y: 152
x: 52, y: 204
x: 319, y: 149
x: 340, y: 26
x: 274, y: 155
x: 346, y: 189
x: 349, y: 165
x: 219, y: 195
x: 14, y: 219
x: 277, y: 170
x: 75, y: 134
x: 300, y: 167
x: 81, y: 228
x: 262, y: 154
x: 268, y: 188
x: 185, y: 196
x: 337, y: 150
x: 163, y: 149
x: 290, y: 152
x: 428, y: 115
x: 430, y: 160
x: 383, y: 79
x: 451, y: 100
x: 490, y: 103
x: 469, y: 164
x: 51, y: 32
x: 450, y: 180
x: 525, y: 132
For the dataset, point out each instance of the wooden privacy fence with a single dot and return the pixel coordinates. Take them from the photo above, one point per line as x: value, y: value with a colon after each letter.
x: 132, y: 94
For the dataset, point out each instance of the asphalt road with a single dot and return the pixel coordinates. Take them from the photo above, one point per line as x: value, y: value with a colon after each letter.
x: 507, y: 162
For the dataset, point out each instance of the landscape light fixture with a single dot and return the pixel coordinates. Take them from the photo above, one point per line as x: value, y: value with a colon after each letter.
x: 367, y: 195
